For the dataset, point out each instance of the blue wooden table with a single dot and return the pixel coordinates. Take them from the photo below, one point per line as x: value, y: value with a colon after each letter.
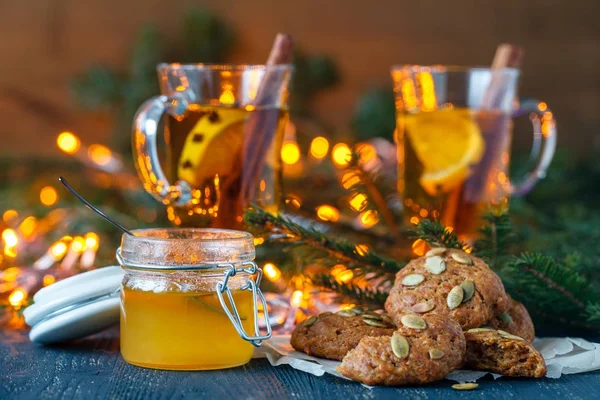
x: 93, y: 368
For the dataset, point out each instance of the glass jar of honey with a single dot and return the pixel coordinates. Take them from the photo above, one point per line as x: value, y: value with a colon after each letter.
x: 189, y: 299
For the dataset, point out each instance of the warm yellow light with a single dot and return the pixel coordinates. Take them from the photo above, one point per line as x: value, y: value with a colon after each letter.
x: 17, y: 297
x: 27, y: 227
x: 419, y: 247
x: 9, y: 215
x: 10, y: 238
x: 366, y: 152
x: 319, y: 147
x: 296, y: 298
x: 369, y: 218
x: 349, y: 179
x: 48, y: 280
x: 92, y: 241
x: 227, y: 96
x: 423, y: 213
x: 99, y: 154
x: 78, y: 244
x: 68, y: 142
x: 358, y: 202
x: 10, y: 274
x: 542, y: 106
x: 58, y: 250
x: 293, y: 200
x: 290, y: 153
x: 341, y: 273
x: 414, y: 220
x: 427, y: 87
x: 271, y: 272
x: 341, y: 154
x: 328, y: 213
x: 362, y: 249
x: 258, y: 241
x: 346, y: 306
x: 10, y: 251
x: 48, y: 196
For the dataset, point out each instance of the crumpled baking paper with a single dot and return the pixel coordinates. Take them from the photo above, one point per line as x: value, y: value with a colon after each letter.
x: 562, y: 355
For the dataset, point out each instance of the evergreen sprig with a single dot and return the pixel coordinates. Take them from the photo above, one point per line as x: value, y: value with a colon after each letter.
x: 287, y: 231
x: 351, y: 292
x: 497, y: 238
x: 435, y: 234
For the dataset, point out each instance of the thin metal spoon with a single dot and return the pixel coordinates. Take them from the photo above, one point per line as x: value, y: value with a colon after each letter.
x: 91, y: 207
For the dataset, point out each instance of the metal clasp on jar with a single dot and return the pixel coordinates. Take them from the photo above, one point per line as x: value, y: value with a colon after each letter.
x: 251, y: 268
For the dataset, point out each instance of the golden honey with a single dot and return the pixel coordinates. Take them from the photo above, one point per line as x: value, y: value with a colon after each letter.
x: 183, y: 331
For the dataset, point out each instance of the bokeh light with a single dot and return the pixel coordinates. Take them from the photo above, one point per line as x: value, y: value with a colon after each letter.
x: 48, y: 196
x: 290, y: 153
x: 319, y: 147
x: 341, y: 154
x: 99, y: 154
x: 68, y: 142
x: 328, y: 213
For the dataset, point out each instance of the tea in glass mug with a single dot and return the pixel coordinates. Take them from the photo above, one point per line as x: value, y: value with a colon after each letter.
x: 454, y: 131
x: 223, y: 131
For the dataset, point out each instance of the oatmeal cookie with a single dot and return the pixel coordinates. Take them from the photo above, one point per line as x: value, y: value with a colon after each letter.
x: 503, y: 353
x: 515, y: 320
x: 450, y: 283
x: 423, y: 349
x: 333, y: 335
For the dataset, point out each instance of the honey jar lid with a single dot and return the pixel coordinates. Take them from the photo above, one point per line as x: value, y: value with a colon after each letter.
x: 75, y: 307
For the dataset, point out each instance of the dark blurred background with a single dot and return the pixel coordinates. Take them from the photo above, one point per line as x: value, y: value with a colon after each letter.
x: 46, y: 43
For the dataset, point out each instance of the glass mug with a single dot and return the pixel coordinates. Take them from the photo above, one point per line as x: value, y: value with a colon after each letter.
x: 223, y: 131
x: 453, y: 134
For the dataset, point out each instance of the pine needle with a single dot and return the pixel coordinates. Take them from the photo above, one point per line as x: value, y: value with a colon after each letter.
x: 437, y: 235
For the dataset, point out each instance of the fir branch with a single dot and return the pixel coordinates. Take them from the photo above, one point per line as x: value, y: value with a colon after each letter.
x: 436, y: 235
x: 593, y: 312
x: 351, y: 292
x: 496, y: 238
x: 550, y: 288
x: 287, y: 231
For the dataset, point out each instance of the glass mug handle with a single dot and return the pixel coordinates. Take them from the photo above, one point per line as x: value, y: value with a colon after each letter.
x: 544, y: 143
x: 145, y: 154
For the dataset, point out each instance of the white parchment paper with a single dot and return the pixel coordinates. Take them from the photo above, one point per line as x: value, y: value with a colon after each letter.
x: 562, y: 355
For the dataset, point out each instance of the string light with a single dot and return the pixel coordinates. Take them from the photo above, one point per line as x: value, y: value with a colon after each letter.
x: 27, y: 227
x: 17, y: 297
x: 271, y: 272
x: 92, y: 241
x: 366, y: 152
x: 290, y: 153
x: 9, y: 215
x: 341, y: 273
x: 328, y: 213
x: 358, y: 202
x: 296, y: 300
x: 10, y: 274
x: 48, y: 196
x: 78, y: 244
x: 369, y: 218
x: 58, y: 250
x: 99, y: 154
x: 362, y: 249
x: 341, y: 154
x: 350, y: 179
x: 68, y: 142
x: 419, y: 247
x: 48, y: 280
x: 10, y: 238
x: 319, y: 147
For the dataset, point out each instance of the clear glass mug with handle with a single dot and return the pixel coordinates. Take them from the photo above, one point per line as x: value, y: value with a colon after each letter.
x: 453, y: 134
x: 223, y: 132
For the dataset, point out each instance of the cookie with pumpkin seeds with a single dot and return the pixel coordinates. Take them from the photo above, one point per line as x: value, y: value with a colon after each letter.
x: 331, y: 335
x: 515, y: 320
x: 503, y: 353
x: 451, y: 283
x: 423, y: 349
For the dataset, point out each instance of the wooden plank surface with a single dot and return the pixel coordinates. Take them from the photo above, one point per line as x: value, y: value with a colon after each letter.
x: 93, y: 368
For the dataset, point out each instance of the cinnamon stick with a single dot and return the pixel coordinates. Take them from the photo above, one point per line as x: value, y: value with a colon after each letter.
x: 259, y: 131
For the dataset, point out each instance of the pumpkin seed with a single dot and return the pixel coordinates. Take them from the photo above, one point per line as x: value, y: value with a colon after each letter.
x: 435, y: 265
x: 507, y: 335
x: 310, y: 321
x: 468, y: 289
x: 505, y: 317
x: 413, y: 321
x: 435, y: 354
x: 388, y: 320
x: 462, y: 258
x: 372, y: 322
x: 400, y: 345
x: 358, y: 310
x: 413, y: 279
x: 346, y: 313
x: 423, y: 307
x: 465, y: 386
x: 436, y: 251
x: 455, y: 297
x: 479, y: 330
x: 373, y: 316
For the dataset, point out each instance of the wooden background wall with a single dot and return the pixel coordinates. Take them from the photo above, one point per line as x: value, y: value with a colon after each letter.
x: 45, y: 42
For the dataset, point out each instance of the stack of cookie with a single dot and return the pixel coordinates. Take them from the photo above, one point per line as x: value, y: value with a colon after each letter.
x: 447, y: 310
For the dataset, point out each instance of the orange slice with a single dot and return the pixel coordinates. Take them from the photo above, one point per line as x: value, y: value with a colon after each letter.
x: 448, y: 143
